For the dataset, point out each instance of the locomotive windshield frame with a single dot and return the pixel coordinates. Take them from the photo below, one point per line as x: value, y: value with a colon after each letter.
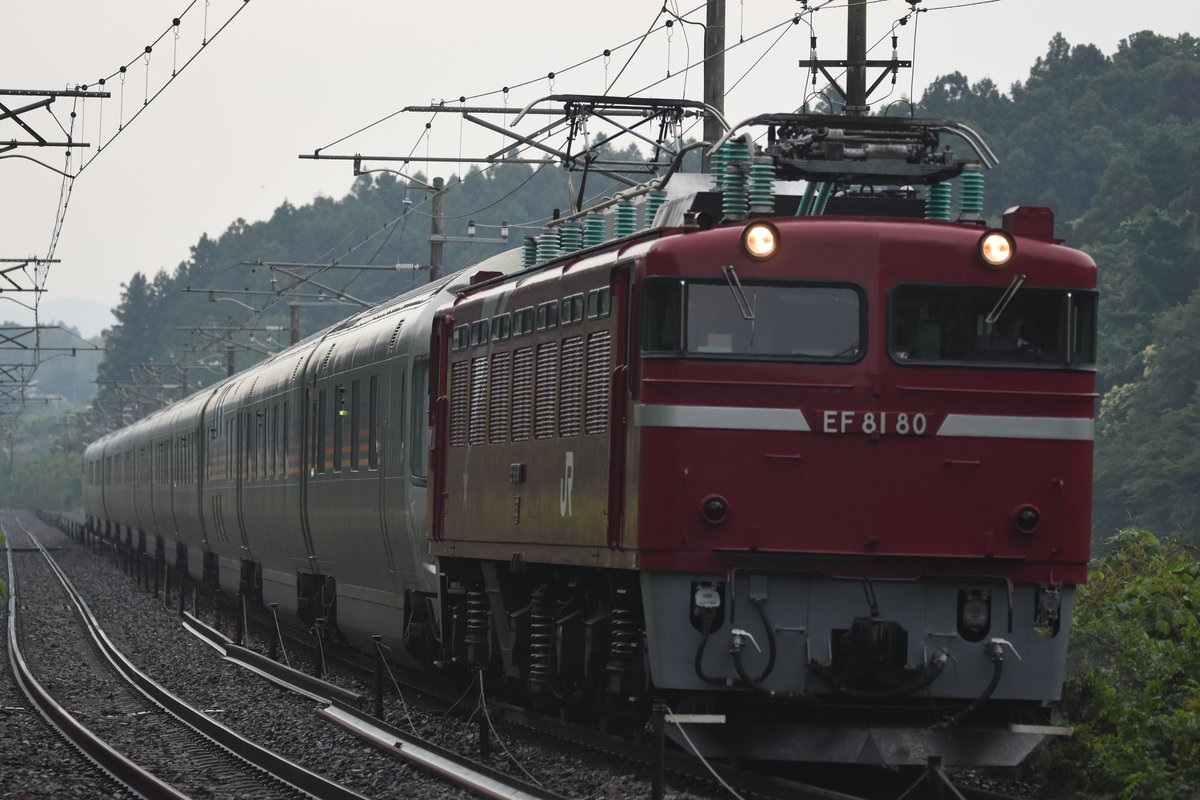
x: 803, y: 321
x: 968, y: 326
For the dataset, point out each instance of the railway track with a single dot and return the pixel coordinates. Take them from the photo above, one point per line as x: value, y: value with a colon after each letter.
x: 450, y: 768
x: 133, y: 729
x: 684, y: 770
x: 686, y: 775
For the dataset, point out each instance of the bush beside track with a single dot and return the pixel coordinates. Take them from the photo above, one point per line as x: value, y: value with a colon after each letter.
x: 1133, y: 690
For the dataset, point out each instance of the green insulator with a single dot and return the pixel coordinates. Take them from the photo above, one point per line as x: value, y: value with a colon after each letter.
x: 654, y: 202
x: 548, y: 244
x: 717, y: 162
x: 937, y: 202
x: 734, y: 200
x: 734, y: 205
x: 970, y: 193
x: 529, y: 252
x: 762, y: 186
x: 806, y: 202
x: 572, y: 238
x: 823, y: 191
x: 625, y: 220
x: 594, y: 229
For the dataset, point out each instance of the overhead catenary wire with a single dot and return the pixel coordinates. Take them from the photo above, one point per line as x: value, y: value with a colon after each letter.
x: 507, y: 88
x: 389, y: 229
x: 208, y: 40
x: 69, y: 176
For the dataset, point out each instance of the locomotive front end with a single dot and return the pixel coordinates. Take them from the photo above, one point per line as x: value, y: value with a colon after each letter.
x: 860, y: 482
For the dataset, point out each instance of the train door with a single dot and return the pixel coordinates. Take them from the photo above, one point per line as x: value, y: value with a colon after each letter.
x: 250, y: 442
x: 391, y: 430
x: 307, y: 414
x: 402, y: 497
x: 620, y: 404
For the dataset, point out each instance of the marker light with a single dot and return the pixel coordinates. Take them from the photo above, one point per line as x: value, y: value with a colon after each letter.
x: 760, y: 240
x: 1027, y: 519
x: 714, y: 509
x: 996, y: 248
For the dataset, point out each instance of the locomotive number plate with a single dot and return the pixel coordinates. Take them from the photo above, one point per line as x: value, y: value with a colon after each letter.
x: 870, y: 423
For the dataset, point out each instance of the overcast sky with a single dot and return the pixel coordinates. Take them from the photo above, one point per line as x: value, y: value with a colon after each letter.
x: 285, y: 78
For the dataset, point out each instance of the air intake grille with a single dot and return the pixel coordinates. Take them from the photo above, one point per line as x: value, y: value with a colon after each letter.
x: 599, y: 377
x: 498, y: 405
x: 478, y: 427
x: 458, y: 404
x: 570, y: 408
x: 522, y: 396
x: 395, y: 337
x: 545, y: 390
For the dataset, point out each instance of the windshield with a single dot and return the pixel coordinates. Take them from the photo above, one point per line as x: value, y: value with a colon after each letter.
x: 770, y: 321
x: 971, y: 324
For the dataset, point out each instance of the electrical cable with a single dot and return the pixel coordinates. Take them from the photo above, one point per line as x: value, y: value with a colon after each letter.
x: 506, y: 89
x: 642, y: 41
x: 168, y: 82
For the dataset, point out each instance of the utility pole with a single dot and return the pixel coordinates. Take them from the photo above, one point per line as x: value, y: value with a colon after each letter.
x: 714, y: 72
x: 854, y: 95
x: 294, y: 313
x: 436, y: 230
x: 856, y: 58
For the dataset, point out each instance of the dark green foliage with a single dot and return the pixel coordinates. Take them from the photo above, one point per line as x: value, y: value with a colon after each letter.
x: 45, y: 481
x: 41, y: 457
x: 1133, y: 691
x: 1057, y: 132
x: 1112, y: 143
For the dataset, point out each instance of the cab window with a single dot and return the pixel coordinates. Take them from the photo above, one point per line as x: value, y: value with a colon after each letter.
x: 708, y: 319
x: 993, y: 326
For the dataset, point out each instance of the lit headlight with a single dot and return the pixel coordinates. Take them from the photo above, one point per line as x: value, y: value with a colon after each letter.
x: 997, y: 248
x: 760, y: 240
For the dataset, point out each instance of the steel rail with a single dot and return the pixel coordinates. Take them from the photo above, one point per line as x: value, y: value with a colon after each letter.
x: 341, y: 710
x: 282, y: 769
x: 95, y: 749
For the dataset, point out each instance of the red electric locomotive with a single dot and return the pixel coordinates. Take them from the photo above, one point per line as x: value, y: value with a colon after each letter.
x: 804, y: 459
x: 811, y: 466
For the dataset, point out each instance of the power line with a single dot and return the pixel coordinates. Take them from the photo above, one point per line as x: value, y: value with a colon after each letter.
x: 509, y: 87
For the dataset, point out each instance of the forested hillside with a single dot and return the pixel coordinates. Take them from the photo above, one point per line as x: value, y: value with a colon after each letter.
x: 1112, y: 143
x: 379, y: 222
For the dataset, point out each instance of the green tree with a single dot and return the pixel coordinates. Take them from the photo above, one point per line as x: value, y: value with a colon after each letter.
x: 1133, y: 690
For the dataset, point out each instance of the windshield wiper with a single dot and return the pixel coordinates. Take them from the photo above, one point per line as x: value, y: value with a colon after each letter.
x: 1004, y: 300
x: 735, y: 286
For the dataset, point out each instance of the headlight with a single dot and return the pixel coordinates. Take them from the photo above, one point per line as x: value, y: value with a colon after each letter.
x: 997, y: 248
x: 760, y: 240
